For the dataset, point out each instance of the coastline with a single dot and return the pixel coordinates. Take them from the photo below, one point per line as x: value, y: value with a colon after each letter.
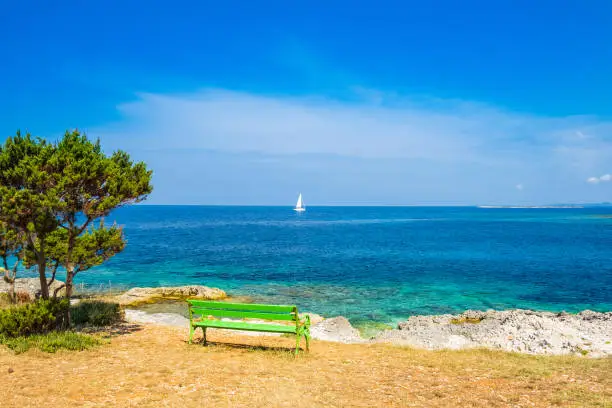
x: 586, y: 333
x: 524, y: 331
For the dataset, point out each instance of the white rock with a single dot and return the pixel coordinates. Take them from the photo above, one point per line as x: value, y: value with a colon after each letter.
x: 526, y: 331
x: 336, y: 329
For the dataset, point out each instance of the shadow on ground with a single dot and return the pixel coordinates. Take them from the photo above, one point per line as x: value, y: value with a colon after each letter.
x: 115, y: 330
x: 290, y: 351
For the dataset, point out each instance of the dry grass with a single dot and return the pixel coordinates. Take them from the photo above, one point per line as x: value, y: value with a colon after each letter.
x: 154, y: 366
x: 462, y: 320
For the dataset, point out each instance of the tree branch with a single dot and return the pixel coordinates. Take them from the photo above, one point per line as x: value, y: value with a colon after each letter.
x: 84, y: 226
x: 60, y: 287
x: 14, y: 271
x: 53, y: 273
x: 32, y: 246
x: 6, y: 277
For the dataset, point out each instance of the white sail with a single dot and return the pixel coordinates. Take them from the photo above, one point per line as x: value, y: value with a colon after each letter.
x: 299, y: 206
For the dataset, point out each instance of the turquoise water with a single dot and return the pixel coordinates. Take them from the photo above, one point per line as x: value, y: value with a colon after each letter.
x: 373, y: 264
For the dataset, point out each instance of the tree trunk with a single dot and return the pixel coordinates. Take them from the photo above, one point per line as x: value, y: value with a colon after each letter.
x: 69, y: 281
x: 11, y: 281
x: 12, y: 294
x: 44, y: 288
x: 70, y: 268
x: 41, y: 262
x: 69, y: 286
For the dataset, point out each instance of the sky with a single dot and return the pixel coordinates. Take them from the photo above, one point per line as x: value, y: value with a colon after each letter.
x: 349, y: 103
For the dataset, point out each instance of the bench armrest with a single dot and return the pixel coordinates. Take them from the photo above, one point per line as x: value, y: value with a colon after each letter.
x: 305, y: 321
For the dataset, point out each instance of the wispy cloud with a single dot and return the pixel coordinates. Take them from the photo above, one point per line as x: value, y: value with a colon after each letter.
x: 593, y: 180
x: 597, y: 180
x: 436, y: 139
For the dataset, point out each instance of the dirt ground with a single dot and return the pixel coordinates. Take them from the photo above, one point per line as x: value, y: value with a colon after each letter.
x: 153, y: 366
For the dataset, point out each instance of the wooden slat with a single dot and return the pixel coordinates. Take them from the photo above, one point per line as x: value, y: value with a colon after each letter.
x: 242, y: 314
x: 254, y: 307
x: 219, y: 324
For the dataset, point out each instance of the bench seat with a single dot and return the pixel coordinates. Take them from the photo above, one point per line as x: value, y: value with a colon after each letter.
x: 204, y: 314
x: 261, y: 327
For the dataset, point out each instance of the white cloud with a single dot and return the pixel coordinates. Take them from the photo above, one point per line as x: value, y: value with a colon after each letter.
x: 593, y: 180
x: 519, y: 186
x: 488, y: 146
x: 456, y: 130
x: 596, y: 180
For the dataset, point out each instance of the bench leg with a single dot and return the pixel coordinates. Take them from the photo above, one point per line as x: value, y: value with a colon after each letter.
x: 298, y: 337
x: 190, y: 333
x: 204, y: 336
x: 307, y: 338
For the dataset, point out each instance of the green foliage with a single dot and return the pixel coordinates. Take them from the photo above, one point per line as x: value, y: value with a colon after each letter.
x: 93, y: 247
x: 51, y: 342
x: 27, y: 191
x: 57, y: 195
x: 96, y: 313
x: 28, y: 195
x: 93, y: 183
x: 32, y: 318
x: 12, y: 253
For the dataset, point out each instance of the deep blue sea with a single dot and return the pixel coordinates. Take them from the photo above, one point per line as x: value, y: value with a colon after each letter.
x: 373, y: 263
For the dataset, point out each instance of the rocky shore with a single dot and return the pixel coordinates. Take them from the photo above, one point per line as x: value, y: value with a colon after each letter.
x: 137, y: 296
x: 587, y: 333
x: 31, y: 286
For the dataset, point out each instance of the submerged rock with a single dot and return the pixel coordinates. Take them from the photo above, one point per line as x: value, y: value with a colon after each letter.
x: 145, y: 295
x: 587, y: 333
x: 31, y: 286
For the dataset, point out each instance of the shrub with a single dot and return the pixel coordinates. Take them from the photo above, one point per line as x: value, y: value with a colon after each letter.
x: 33, y: 318
x: 96, y: 313
x: 22, y: 297
x: 50, y: 342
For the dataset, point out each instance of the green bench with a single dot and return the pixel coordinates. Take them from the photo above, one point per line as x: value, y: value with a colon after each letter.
x: 207, y: 314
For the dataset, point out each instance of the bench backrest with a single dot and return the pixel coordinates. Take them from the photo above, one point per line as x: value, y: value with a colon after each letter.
x: 242, y: 310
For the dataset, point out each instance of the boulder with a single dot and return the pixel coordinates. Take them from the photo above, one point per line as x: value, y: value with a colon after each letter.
x: 314, y: 318
x: 149, y: 295
x: 31, y: 286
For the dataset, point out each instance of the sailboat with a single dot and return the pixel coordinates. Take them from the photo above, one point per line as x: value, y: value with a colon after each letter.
x: 299, y: 207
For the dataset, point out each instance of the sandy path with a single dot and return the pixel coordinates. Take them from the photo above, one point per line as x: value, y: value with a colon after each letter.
x: 154, y: 366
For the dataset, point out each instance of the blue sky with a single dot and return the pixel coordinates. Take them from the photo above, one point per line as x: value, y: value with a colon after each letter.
x: 386, y: 102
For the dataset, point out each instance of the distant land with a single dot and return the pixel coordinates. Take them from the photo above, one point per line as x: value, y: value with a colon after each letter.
x: 581, y: 205
x: 530, y: 206
x: 586, y: 205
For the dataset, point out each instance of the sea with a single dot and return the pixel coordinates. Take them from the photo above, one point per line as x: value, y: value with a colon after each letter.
x: 371, y: 264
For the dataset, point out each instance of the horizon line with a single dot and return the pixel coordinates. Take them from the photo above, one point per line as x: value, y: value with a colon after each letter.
x: 561, y: 205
